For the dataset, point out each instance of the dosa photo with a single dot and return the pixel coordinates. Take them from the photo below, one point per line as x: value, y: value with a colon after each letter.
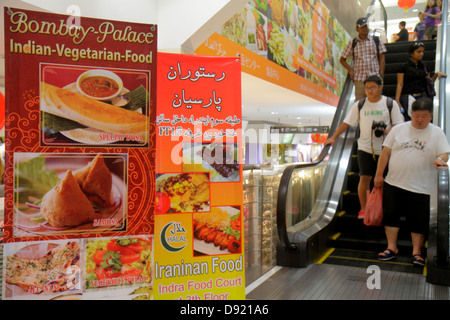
x: 56, y: 194
x: 94, y: 106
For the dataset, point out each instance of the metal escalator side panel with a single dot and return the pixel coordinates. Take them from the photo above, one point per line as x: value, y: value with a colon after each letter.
x: 438, y: 266
x: 442, y: 218
x: 442, y: 48
x: 293, y: 240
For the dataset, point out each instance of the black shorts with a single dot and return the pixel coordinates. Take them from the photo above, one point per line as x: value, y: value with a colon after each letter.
x: 367, y: 164
x: 415, y: 207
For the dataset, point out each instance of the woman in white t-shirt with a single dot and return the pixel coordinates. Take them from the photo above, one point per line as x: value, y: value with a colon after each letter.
x: 413, y: 150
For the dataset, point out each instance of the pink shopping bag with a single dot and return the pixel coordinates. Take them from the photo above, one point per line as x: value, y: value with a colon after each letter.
x: 373, y: 214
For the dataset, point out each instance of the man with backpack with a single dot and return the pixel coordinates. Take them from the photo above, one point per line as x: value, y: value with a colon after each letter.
x: 368, y: 57
x: 376, y: 115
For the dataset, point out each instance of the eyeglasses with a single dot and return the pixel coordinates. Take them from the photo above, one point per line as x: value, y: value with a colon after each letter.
x: 371, y: 88
x: 418, y: 44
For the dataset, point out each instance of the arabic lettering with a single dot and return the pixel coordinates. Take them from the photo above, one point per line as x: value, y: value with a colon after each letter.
x: 198, y: 74
x: 205, y: 121
x: 190, y: 102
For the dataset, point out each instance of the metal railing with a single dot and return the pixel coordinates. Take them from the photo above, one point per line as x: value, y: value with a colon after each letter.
x: 442, y: 234
x: 443, y: 65
x: 287, y: 174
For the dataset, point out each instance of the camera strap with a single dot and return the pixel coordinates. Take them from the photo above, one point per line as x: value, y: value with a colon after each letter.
x: 371, y: 144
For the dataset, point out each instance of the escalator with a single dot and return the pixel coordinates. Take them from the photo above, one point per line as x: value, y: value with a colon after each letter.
x: 353, y: 243
x: 331, y: 233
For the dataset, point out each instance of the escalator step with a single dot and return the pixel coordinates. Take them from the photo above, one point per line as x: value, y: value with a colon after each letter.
x: 352, y: 181
x: 364, y: 259
x: 354, y: 166
x: 373, y: 239
x: 350, y: 202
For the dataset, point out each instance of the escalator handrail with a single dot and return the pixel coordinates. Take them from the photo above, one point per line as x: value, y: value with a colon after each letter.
x: 443, y: 66
x: 287, y: 173
x: 443, y: 217
x: 282, y: 195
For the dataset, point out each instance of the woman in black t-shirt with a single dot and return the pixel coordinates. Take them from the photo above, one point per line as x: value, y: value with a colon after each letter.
x: 412, y: 78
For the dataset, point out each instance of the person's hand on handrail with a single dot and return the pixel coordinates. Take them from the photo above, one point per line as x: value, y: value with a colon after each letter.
x: 441, y: 161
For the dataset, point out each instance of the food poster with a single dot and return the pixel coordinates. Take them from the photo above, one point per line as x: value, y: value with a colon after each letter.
x: 80, y: 157
x: 293, y: 44
x: 199, y: 237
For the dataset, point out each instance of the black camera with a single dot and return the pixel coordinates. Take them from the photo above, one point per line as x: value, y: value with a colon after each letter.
x: 377, y: 128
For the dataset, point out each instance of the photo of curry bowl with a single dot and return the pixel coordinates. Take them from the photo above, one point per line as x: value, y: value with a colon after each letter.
x: 82, y: 105
x: 182, y: 192
x: 102, y: 85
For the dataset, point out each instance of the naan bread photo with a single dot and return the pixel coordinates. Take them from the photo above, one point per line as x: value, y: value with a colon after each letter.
x: 48, y: 272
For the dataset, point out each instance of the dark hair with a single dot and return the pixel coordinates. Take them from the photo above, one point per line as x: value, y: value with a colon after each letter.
x: 415, y: 46
x: 423, y: 104
x: 432, y: 7
x: 402, y: 23
x: 376, y: 79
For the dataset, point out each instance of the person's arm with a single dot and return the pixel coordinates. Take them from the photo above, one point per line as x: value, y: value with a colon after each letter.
x: 383, y: 160
x: 382, y: 63
x: 441, y: 160
x: 434, y: 16
x: 342, y: 127
x: 350, y: 70
x: 395, y: 38
x: 438, y: 75
x: 398, y: 91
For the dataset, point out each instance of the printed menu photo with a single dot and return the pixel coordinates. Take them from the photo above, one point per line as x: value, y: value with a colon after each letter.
x: 94, y: 106
x: 123, y: 262
x: 218, y: 231
x: 182, y: 192
x: 42, y: 270
x: 56, y: 194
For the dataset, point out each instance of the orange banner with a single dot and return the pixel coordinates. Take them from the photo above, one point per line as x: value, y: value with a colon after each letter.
x: 256, y: 65
x: 198, y: 221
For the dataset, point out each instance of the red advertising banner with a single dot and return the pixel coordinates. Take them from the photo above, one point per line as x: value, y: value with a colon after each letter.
x: 198, y: 222
x: 80, y: 156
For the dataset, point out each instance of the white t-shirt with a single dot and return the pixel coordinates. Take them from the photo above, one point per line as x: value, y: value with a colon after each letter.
x: 372, y: 111
x: 413, y: 152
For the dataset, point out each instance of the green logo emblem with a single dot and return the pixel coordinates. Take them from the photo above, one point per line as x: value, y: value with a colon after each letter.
x: 173, y: 237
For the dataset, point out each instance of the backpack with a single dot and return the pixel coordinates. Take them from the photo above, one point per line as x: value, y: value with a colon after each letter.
x: 389, y: 104
x: 375, y: 39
